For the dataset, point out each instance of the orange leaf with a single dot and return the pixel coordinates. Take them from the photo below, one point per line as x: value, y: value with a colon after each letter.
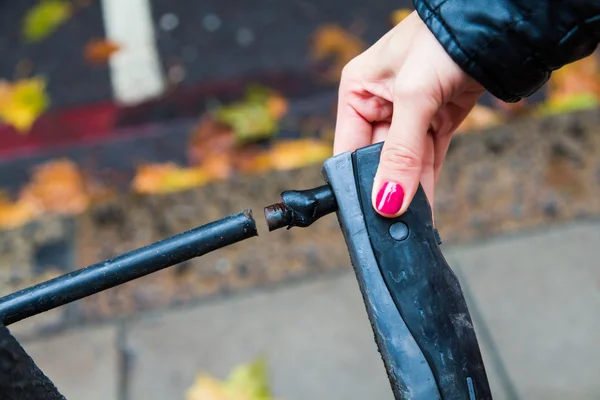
x: 333, y: 42
x: 99, y: 51
x: 209, y: 137
x: 277, y: 106
x: 57, y: 186
x: 218, y: 166
x: 166, y: 178
x: 580, y: 77
x: 14, y: 214
x: 399, y: 15
x: 291, y: 154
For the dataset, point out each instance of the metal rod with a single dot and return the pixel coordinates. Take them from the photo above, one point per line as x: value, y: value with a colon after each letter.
x: 134, y: 264
x: 300, y: 207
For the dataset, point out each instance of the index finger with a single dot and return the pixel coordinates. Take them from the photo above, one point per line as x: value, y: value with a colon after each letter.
x: 352, y: 129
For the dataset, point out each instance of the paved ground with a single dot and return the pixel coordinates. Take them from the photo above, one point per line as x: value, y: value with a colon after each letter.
x: 534, y: 298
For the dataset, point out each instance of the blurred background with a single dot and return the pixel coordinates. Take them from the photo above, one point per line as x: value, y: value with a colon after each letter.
x: 126, y: 121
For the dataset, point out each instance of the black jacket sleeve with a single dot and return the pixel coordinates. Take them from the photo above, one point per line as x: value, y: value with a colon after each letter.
x: 511, y: 47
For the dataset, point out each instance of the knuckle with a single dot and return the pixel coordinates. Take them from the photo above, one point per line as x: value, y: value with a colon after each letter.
x: 397, y: 157
x: 352, y: 67
x: 416, y: 91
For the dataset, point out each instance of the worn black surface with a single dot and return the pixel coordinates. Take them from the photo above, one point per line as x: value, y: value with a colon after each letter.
x: 408, y: 371
x: 300, y: 207
x: 424, y: 288
x: 124, y: 268
x: 20, y: 377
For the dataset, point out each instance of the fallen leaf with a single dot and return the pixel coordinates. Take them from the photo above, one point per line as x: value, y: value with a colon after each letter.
x: 333, y: 42
x: 99, y: 51
x: 218, y: 166
x: 15, y: 214
x: 246, y: 382
x: 167, y: 178
x: 57, y: 187
x: 569, y: 103
x: 44, y: 18
x: 252, y: 160
x: 575, y: 86
x: 207, y: 388
x: 580, y: 77
x: 288, y: 154
x: 399, y: 15
x: 291, y: 154
x: 255, y: 117
x: 209, y: 137
x: 22, y: 102
x: 277, y: 106
x: 480, y: 117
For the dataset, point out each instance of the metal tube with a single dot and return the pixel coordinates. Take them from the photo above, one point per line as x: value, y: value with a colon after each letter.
x: 135, y: 264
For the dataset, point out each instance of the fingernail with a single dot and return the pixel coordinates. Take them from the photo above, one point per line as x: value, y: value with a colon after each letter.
x: 389, y: 198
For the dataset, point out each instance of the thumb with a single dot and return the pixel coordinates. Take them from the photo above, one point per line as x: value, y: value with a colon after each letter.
x: 401, y: 163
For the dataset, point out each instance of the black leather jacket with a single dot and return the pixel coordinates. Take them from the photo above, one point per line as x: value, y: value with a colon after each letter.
x: 512, y: 46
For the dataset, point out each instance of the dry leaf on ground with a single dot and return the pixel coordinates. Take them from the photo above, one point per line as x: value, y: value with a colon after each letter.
x: 256, y: 116
x: 22, y: 102
x: 399, y: 15
x: 167, y: 178
x: 246, y: 382
x: 573, y: 87
x: 286, y: 154
x: 44, y: 18
x: 57, y: 187
x: 15, y: 214
x: 99, y: 51
x: 332, y: 42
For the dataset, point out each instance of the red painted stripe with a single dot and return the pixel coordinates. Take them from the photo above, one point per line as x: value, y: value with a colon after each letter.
x: 60, y: 128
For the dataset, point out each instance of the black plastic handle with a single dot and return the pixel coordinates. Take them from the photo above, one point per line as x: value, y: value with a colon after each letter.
x: 414, y: 301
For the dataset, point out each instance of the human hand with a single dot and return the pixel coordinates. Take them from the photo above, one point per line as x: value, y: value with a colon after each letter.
x: 407, y: 91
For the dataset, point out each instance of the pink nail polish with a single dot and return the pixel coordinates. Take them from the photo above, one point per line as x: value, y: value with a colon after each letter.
x: 389, y: 198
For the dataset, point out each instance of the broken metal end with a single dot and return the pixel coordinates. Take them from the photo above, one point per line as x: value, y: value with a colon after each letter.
x: 277, y: 216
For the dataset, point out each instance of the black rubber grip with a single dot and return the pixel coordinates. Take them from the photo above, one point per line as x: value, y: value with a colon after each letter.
x: 413, y: 298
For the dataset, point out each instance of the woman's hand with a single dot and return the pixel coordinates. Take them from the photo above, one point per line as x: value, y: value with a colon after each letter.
x: 404, y: 90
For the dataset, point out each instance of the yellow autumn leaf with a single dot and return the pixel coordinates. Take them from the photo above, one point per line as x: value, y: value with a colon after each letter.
x: 287, y: 154
x: 246, y: 382
x: 399, y: 15
x: 168, y: 177
x: 291, y: 154
x: 575, y: 86
x: 255, y: 117
x: 42, y: 19
x: 22, y: 102
x: 580, y: 77
x: 14, y: 214
x: 207, y: 388
x: 564, y: 104
x: 334, y: 42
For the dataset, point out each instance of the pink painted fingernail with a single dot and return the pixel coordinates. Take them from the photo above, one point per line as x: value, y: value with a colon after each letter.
x: 389, y: 198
